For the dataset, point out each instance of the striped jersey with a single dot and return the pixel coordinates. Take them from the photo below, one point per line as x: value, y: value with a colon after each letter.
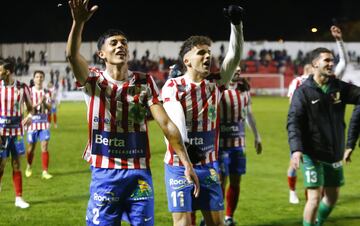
x: 12, y: 99
x: 295, y: 83
x: 199, y: 102
x: 233, y: 109
x: 40, y: 116
x: 116, y: 114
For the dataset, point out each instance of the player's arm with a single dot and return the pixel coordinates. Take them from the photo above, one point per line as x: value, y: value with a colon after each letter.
x: 47, y: 102
x: 80, y: 14
x: 29, y: 106
x: 343, y: 57
x: 296, y: 118
x: 250, y: 120
x: 173, y: 135
x: 353, y: 134
x: 236, y: 42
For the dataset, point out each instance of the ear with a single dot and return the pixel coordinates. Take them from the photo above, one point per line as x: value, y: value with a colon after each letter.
x: 101, y: 54
x: 187, y: 63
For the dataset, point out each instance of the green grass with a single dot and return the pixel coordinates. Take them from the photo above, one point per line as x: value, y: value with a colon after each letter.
x: 264, y: 193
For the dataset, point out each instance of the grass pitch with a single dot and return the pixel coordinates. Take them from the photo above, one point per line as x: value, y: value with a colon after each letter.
x: 264, y: 192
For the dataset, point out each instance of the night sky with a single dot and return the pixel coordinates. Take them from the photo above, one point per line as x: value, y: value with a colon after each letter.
x: 44, y: 21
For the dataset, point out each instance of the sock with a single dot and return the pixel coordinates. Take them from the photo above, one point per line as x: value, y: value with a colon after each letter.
x: 232, y: 197
x: 45, y: 160
x: 1, y: 174
x: 193, y: 218
x: 17, y: 180
x: 323, y: 213
x: 49, y: 118
x: 292, y: 182
x: 308, y: 224
x: 29, y: 157
x: 55, y: 119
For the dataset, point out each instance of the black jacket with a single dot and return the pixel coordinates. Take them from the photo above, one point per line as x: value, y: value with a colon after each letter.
x: 316, y: 124
x: 354, y: 128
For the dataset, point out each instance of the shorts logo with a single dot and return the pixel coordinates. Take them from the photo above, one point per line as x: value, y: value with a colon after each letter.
x: 107, y: 198
x: 143, y: 191
x: 212, y: 178
x: 179, y: 184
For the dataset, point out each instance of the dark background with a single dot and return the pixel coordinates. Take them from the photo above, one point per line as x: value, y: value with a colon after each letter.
x: 290, y: 20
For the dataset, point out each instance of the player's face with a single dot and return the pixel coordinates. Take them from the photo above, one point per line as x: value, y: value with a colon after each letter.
x: 324, y: 64
x: 38, y: 79
x: 4, y: 74
x: 115, y: 50
x: 198, y: 59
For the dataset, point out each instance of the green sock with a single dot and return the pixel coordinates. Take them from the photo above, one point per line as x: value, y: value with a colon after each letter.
x: 308, y: 224
x: 323, y: 213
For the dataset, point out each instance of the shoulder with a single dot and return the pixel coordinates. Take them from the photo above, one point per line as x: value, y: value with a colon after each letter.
x: 95, y: 72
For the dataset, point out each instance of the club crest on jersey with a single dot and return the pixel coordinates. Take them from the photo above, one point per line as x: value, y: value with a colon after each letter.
x: 212, y: 113
x: 136, y: 112
x: 336, y: 97
x: 142, y: 191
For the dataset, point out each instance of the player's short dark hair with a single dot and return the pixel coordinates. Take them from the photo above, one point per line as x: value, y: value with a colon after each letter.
x: 191, y: 42
x: 107, y: 34
x: 316, y: 53
x: 8, y: 64
x: 38, y: 71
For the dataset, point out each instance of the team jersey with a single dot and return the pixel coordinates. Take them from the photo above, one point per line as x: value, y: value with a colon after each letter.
x: 199, y: 102
x: 116, y: 114
x: 12, y: 99
x: 53, y: 95
x: 295, y: 83
x: 233, y: 107
x: 40, y: 116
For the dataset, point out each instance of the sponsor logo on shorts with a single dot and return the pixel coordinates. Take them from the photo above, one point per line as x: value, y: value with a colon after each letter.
x: 106, y: 198
x: 179, y: 184
x: 212, y: 178
x: 142, y: 192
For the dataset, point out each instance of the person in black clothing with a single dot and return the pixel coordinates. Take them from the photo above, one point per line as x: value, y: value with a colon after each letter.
x: 316, y: 131
x: 353, y: 134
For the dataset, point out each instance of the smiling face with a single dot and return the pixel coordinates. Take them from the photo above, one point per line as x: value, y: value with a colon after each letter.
x: 324, y: 64
x: 198, y: 59
x: 115, y: 50
x: 39, y: 79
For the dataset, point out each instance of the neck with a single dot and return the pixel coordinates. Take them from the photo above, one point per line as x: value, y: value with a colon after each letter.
x: 117, y: 72
x: 195, y: 76
x: 320, y: 79
x: 38, y: 87
x: 9, y: 80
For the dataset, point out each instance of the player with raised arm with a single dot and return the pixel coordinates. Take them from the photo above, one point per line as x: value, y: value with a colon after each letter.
x: 296, y: 82
x: 235, y: 109
x: 39, y: 128
x: 118, y: 146
x: 193, y: 102
x: 14, y: 96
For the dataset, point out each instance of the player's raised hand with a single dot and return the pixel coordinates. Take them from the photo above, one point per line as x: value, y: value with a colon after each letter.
x: 336, y: 32
x: 80, y: 11
x: 234, y: 13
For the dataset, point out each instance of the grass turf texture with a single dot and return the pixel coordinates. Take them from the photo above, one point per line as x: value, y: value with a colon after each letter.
x: 264, y: 192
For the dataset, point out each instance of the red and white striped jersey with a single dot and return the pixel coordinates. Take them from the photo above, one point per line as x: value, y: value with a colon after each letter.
x: 118, y: 133
x: 233, y: 109
x: 40, y: 116
x: 295, y: 83
x: 199, y: 102
x: 12, y: 99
